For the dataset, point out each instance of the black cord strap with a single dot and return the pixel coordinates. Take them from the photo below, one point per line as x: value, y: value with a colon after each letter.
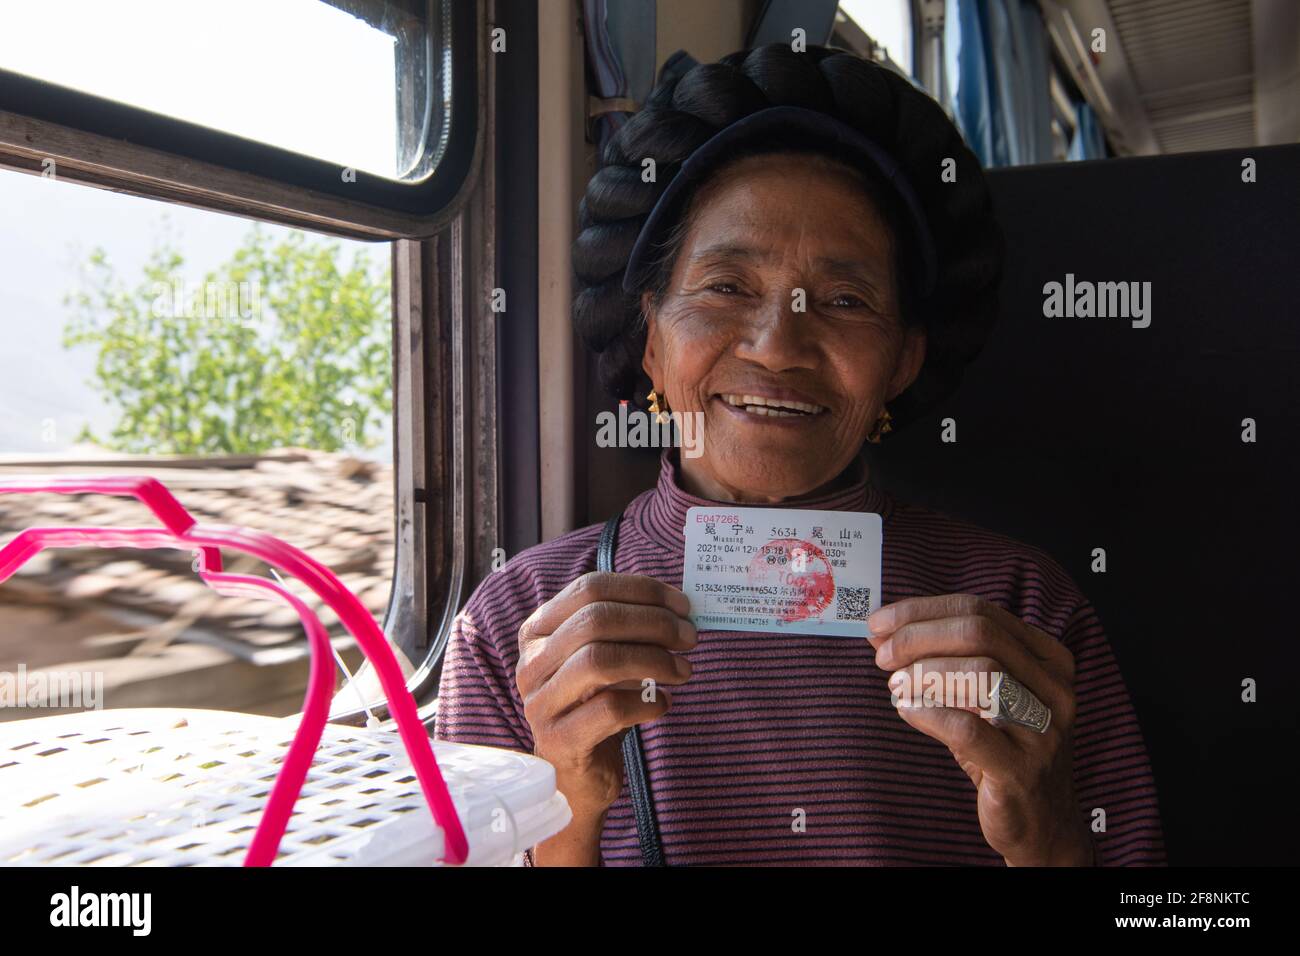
x: 638, y: 781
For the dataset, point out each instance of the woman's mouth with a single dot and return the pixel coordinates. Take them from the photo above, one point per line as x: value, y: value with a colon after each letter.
x: 780, y: 408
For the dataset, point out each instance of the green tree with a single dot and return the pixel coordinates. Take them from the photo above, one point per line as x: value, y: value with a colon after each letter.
x: 280, y: 346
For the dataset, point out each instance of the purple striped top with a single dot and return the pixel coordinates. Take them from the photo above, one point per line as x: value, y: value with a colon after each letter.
x: 770, y: 724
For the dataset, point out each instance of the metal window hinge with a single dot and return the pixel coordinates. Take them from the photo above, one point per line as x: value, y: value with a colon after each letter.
x: 932, y: 16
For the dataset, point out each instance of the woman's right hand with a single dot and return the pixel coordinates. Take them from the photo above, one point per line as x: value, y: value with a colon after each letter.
x: 584, y: 658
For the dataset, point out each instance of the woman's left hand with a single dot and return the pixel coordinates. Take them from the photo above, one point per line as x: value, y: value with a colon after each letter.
x: 1024, y: 780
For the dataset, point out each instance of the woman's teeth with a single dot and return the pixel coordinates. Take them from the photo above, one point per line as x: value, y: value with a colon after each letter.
x: 777, y: 408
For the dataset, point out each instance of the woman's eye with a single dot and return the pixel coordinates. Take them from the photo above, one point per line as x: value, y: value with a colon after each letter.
x: 726, y: 288
x: 847, y: 301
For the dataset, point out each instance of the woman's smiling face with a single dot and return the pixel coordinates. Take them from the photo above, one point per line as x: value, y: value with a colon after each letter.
x: 780, y: 323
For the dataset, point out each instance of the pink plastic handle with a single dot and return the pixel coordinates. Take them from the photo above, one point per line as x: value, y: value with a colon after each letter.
x: 185, y: 534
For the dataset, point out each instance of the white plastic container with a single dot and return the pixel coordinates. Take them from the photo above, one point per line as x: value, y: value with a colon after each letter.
x: 173, y: 787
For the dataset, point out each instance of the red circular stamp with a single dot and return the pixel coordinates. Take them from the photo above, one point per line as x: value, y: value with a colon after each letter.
x: 800, y: 566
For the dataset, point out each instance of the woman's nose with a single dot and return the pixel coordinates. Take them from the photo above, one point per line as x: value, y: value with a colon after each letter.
x: 781, y: 335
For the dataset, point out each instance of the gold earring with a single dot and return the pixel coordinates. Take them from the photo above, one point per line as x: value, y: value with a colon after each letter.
x: 882, y: 425
x: 660, y: 417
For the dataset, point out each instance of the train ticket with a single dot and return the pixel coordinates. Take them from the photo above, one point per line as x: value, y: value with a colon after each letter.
x: 783, y: 570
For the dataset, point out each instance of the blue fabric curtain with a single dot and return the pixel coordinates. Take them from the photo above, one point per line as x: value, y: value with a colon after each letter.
x: 1002, y: 101
x: 621, y: 47
x: 1089, y: 140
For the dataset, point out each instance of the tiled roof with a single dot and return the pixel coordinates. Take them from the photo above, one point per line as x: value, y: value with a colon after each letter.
x: 120, y: 602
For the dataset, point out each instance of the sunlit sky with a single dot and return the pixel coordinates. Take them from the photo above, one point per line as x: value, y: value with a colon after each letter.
x: 267, y: 69
x: 295, y: 73
x: 888, y: 22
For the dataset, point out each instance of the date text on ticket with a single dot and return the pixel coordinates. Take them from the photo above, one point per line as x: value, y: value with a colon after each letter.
x: 782, y: 569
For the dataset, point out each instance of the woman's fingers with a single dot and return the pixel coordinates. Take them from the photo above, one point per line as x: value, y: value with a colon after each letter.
x: 543, y: 654
x: 933, y: 607
x: 1022, y: 777
x: 582, y: 658
x: 973, y: 636
x: 605, y: 664
x: 595, y: 720
x: 584, y: 655
x: 603, y: 586
x: 963, y: 683
x: 976, y: 745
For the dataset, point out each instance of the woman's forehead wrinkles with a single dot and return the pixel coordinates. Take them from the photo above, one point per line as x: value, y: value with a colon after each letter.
x: 752, y: 231
x: 833, y: 265
x: 868, y: 266
x: 727, y: 250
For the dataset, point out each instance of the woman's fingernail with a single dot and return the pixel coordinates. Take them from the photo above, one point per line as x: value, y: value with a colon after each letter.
x: 882, y: 656
x: 688, y: 631
x: 881, y: 621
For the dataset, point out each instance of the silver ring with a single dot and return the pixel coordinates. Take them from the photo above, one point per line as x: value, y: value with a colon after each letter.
x: 1014, y: 703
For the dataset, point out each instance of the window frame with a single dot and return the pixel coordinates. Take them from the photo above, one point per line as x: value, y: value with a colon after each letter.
x: 100, y: 142
x: 850, y: 35
x: 446, y: 428
x: 471, y: 485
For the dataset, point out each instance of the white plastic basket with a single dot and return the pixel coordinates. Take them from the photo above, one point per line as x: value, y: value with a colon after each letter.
x: 172, y: 787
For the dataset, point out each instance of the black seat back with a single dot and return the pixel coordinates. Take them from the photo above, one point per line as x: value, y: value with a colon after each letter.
x: 1082, y: 433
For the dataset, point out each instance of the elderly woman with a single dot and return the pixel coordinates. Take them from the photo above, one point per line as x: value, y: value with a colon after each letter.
x: 799, y: 247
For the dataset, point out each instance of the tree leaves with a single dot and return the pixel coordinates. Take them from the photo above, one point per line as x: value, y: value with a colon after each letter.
x: 283, y: 345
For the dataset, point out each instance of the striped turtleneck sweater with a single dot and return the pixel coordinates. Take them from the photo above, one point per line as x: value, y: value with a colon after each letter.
x: 771, y: 728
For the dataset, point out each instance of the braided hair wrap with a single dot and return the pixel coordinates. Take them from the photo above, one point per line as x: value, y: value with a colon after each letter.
x: 956, y: 307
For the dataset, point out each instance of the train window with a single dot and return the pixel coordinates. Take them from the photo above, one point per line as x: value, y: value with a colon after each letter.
x: 1004, y: 79
x: 888, y: 25
x: 381, y: 149
x: 383, y: 114
x: 249, y: 367
x: 207, y: 316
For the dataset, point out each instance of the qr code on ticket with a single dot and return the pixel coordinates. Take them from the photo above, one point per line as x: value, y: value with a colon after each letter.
x: 853, y: 604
